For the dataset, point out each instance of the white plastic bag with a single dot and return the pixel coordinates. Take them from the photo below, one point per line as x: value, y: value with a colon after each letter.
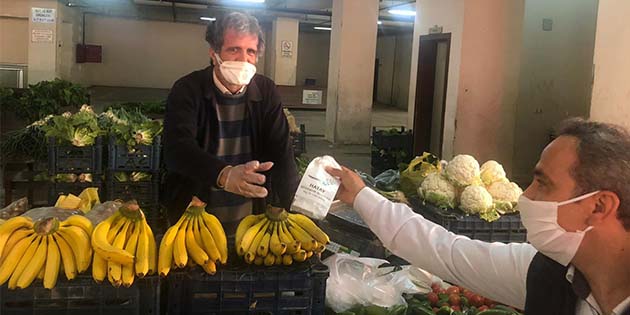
x: 317, y: 188
x: 358, y: 281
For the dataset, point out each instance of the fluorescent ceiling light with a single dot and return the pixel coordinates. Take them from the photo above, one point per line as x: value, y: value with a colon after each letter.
x: 379, y: 22
x: 251, y: 1
x: 322, y: 28
x: 402, y: 12
x: 205, y: 18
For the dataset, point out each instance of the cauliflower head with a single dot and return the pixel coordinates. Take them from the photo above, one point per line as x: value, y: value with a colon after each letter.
x: 491, y: 172
x: 505, y: 195
x: 437, y: 190
x: 476, y: 200
x: 463, y: 170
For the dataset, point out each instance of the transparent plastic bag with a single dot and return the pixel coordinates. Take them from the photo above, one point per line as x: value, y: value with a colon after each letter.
x: 317, y: 189
x: 103, y: 211
x: 38, y: 214
x: 15, y: 209
x: 357, y: 281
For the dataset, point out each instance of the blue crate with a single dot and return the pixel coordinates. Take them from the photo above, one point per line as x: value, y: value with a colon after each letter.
x: 71, y: 159
x: 141, y: 158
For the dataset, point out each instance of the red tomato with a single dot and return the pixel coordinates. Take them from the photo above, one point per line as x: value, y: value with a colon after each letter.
x: 482, y: 308
x: 456, y: 308
x: 488, y: 301
x: 435, y: 310
x: 452, y: 290
x: 477, y: 300
x: 441, y: 291
x: 433, y: 298
x: 469, y: 295
x: 454, y: 299
x: 435, y: 287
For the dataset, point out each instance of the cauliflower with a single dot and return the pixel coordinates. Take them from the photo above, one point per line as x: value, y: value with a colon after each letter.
x: 438, y: 190
x: 491, y: 172
x: 505, y: 195
x: 463, y: 170
x: 476, y: 200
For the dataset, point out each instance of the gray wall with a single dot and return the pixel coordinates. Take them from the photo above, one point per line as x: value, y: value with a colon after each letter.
x: 312, y: 63
x: 394, y: 56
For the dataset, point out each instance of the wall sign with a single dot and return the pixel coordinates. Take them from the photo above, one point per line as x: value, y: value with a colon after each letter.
x: 43, y: 15
x: 313, y: 97
x: 436, y: 29
x: 286, y: 48
x: 42, y: 36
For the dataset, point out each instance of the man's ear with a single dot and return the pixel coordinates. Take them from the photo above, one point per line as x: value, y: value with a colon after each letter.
x: 211, y: 52
x: 606, y: 205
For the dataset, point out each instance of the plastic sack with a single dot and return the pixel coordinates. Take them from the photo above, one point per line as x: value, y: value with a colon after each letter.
x: 317, y: 188
x: 357, y: 281
x: 14, y: 209
x: 103, y: 211
x: 37, y: 214
x: 388, y: 180
x: 419, y: 168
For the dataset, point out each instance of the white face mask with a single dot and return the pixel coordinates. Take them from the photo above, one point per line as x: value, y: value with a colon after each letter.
x: 236, y: 72
x: 540, y: 218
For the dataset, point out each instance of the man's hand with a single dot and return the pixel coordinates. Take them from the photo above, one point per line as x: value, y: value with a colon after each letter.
x: 243, y: 179
x: 351, y: 183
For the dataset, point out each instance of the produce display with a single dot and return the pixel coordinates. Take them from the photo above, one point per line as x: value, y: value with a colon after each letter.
x: 278, y: 237
x: 79, y: 129
x: 38, y: 250
x: 130, y: 127
x: 124, y: 247
x: 478, y: 190
x: 197, y: 238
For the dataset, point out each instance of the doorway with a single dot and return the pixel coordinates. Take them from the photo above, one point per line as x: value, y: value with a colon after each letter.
x: 430, y: 103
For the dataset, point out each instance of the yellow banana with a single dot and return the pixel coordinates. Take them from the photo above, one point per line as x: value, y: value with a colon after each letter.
x: 208, y: 241
x: 179, y: 249
x: 131, y: 246
x: 115, y: 228
x: 115, y: 268
x: 258, y: 261
x: 99, y: 268
x: 53, y: 262
x: 306, y: 241
x: 278, y: 260
x: 15, y: 237
x: 263, y: 247
x: 320, y: 248
x: 218, y: 234
x: 249, y: 236
x: 275, y: 245
x: 195, y: 251
x: 300, y: 256
x: 107, y: 251
x: 34, y: 265
x: 165, y: 256
x: 80, y: 221
x: 293, y: 245
x: 67, y: 257
x: 210, y: 267
x: 79, y: 241
x: 40, y: 275
x: 10, y: 226
x: 269, y: 260
x: 309, y: 254
x: 287, y: 259
x: 249, y: 257
x: 310, y: 227
x: 244, y: 225
x: 23, y: 261
x: 253, y: 248
x: 152, y: 250
x: 142, y: 251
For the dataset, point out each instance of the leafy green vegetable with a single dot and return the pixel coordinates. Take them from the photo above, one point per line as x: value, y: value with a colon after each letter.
x: 79, y: 129
x: 130, y: 127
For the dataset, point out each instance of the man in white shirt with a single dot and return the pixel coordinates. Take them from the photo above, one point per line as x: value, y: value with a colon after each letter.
x: 576, y: 211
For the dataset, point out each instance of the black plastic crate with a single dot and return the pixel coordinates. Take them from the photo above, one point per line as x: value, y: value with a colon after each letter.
x: 146, y: 193
x: 141, y: 158
x: 381, y: 139
x: 75, y: 188
x: 508, y: 228
x: 71, y: 159
x: 247, y: 289
x: 83, y: 296
x: 298, y: 141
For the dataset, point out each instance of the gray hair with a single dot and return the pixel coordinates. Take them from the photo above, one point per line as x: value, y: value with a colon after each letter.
x: 603, y: 152
x: 242, y: 23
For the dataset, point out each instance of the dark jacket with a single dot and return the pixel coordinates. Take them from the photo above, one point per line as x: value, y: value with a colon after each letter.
x: 191, y: 141
x: 548, y: 290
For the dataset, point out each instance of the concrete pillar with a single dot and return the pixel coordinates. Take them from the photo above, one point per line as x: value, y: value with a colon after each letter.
x: 284, y: 50
x: 42, y: 32
x: 351, y: 71
x: 611, y: 95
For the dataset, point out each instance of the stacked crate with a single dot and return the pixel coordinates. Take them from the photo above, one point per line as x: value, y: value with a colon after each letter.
x: 390, y: 148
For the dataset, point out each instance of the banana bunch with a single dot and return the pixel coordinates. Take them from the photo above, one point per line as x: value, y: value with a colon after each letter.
x: 39, y: 250
x: 277, y: 237
x: 124, y: 247
x: 197, y: 238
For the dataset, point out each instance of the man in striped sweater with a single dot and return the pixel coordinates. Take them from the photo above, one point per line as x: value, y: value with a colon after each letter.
x: 226, y: 137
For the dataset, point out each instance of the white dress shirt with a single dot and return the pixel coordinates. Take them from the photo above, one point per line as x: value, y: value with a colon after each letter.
x: 495, y: 270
